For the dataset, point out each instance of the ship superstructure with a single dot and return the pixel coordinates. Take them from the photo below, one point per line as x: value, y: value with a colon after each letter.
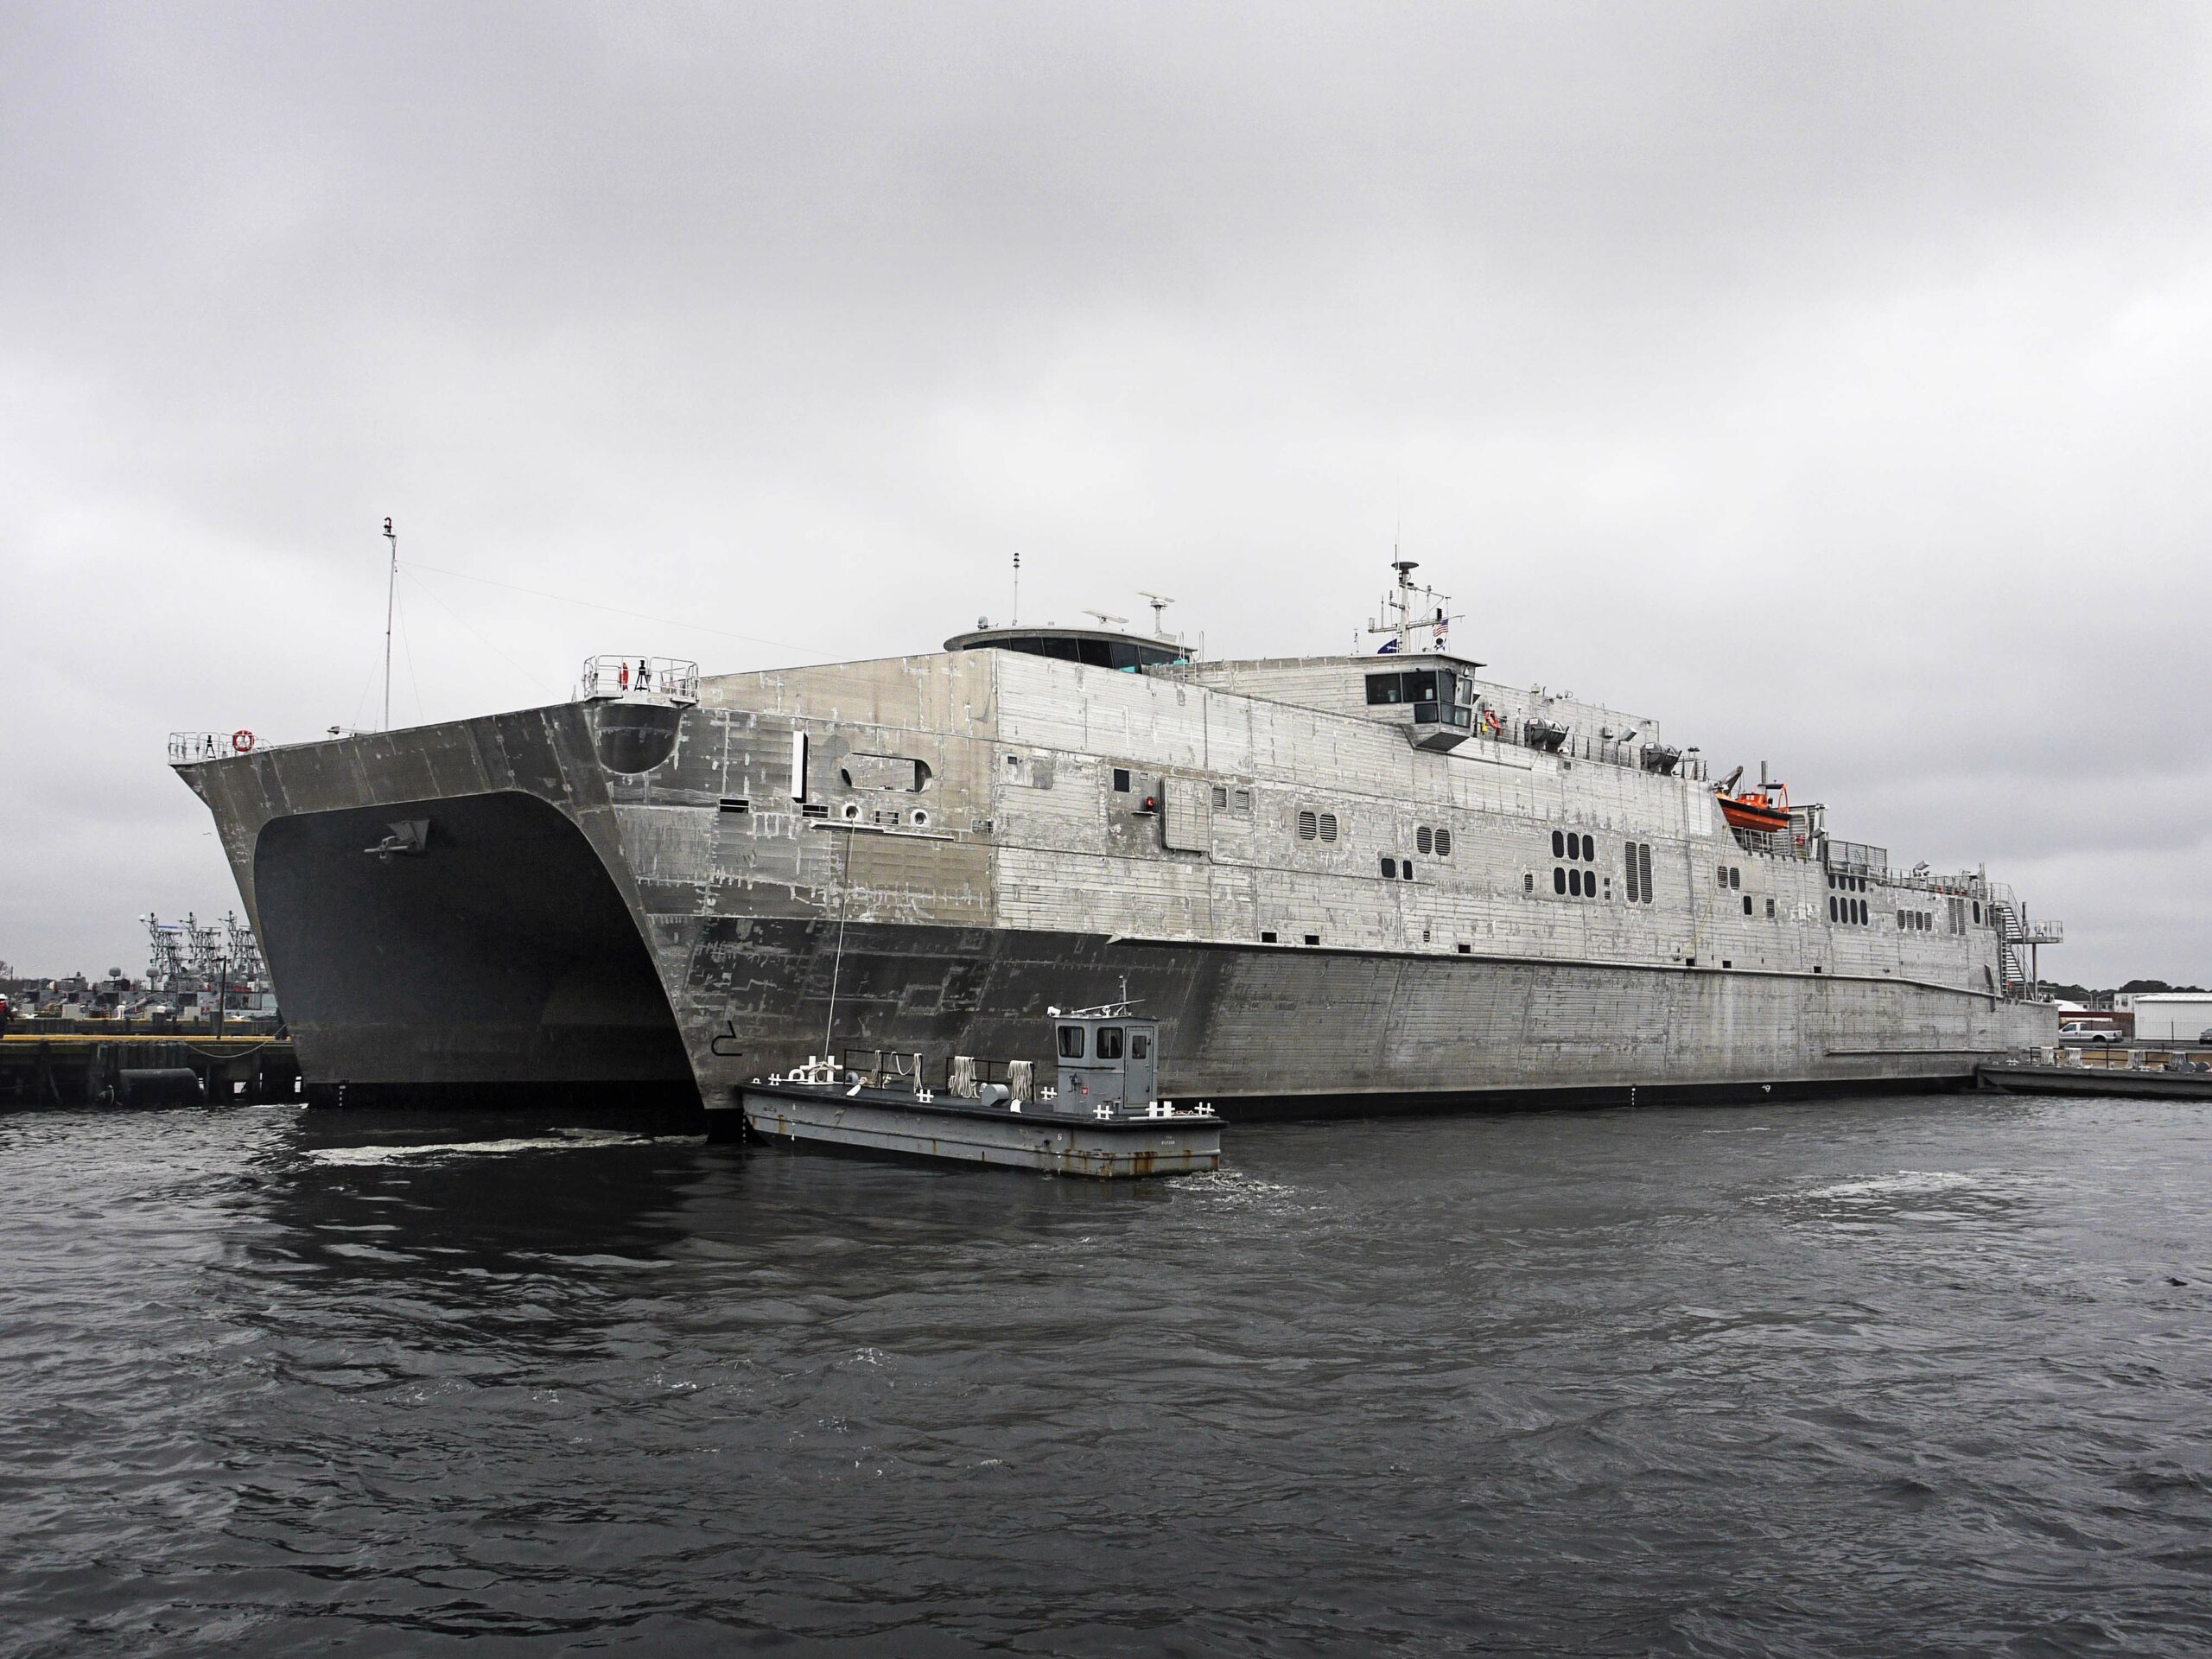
x: 1332, y: 879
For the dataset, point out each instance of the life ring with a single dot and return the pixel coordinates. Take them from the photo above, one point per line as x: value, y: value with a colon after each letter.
x: 242, y: 741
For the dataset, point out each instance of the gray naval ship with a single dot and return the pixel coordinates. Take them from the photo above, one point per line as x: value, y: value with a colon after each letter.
x: 1338, y: 881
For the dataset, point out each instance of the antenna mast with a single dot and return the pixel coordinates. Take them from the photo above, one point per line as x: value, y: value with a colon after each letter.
x: 390, y: 588
x: 1398, y: 618
x: 1016, y: 619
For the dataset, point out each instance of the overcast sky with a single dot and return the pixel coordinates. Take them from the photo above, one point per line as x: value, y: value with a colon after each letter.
x: 1830, y: 383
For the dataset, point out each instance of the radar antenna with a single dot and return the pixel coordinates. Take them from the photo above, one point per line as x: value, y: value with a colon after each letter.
x: 1106, y: 621
x: 1159, y: 602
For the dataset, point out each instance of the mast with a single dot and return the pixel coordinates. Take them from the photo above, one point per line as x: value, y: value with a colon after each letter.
x: 1398, y: 618
x: 390, y: 590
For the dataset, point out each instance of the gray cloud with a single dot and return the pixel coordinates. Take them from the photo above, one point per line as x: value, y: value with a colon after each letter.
x: 1831, y: 383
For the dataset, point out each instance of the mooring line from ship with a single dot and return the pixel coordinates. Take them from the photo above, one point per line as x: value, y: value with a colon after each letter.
x: 837, y: 962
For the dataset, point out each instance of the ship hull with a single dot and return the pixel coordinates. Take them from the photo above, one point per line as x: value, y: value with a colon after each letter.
x: 555, y: 937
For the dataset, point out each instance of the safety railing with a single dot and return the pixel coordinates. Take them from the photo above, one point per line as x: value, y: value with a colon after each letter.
x: 187, y: 748
x: 668, y: 678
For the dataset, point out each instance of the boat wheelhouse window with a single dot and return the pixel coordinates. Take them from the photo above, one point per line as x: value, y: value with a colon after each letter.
x: 1120, y: 780
x: 1559, y: 845
x: 1382, y: 688
x: 1424, y: 840
x: 1140, y: 1045
x: 1328, y: 826
x: 1443, y: 844
x: 1390, y: 868
x: 1109, y: 1042
x: 1308, y: 825
x: 1070, y: 1042
x: 1559, y: 881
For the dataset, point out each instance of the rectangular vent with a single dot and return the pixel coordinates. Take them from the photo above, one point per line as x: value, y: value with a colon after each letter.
x: 815, y: 809
x: 736, y: 804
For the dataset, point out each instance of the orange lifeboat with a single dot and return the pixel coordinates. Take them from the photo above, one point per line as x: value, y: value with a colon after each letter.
x: 1757, y: 809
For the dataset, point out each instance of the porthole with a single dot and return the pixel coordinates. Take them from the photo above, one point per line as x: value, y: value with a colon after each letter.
x: 921, y: 817
x: 851, y: 811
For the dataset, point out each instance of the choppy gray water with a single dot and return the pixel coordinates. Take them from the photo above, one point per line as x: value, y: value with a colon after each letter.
x: 1927, y: 1375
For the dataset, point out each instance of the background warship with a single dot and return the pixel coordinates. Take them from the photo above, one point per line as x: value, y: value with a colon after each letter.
x: 1335, y: 880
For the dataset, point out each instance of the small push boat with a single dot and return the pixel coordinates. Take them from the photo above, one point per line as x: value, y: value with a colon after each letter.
x: 1101, y: 1118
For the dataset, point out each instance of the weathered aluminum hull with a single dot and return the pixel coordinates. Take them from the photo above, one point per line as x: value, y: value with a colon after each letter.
x: 569, y: 929
x: 1106, y: 1150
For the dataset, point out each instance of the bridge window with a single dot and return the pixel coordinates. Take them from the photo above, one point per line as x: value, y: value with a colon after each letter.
x: 1120, y: 779
x: 1109, y: 1042
x: 1070, y: 1042
x: 1140, y: 1045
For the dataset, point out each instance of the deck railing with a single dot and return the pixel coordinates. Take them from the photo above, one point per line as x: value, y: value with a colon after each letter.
x: 668, y: 677
x: 187, y: 748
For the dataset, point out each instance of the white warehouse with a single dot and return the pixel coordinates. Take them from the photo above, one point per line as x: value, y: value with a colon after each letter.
x: 2172, y: 1016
